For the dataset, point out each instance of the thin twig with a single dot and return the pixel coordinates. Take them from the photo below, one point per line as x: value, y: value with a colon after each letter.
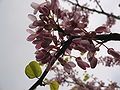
x: 77, y: 1
x: 94, y: 10
x: 104, y: 37
x: 99, y: 5
x: 58, y: 54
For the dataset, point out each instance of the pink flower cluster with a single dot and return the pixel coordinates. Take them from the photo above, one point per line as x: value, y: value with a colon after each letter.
x: 51, y: 27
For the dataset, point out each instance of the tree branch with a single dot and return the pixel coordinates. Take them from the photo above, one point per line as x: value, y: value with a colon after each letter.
x: 99, y: 5
x: 108, y: 37
x: 103, y: 37
x: 58, y: 54
x: 94, y: 10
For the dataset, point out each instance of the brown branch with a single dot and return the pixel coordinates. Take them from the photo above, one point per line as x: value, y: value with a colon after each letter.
x: 108, y: 37
x: 103, y: 37
x: 94, y: 10
x: 58, y: 54
x: 99, y: 5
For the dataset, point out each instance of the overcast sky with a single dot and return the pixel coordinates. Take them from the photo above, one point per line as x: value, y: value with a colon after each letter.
x: 16, y: 52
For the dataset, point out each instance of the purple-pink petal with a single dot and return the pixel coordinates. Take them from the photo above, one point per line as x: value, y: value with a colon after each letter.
x: 32, y: 26
x: 113, y: 53
x: 34, y: 5
x: 31, y: 37
x: 32, y: 17
x: 72, y: 64
x: 30, y: 31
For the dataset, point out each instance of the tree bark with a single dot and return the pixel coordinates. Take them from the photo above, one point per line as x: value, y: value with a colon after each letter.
x: 108, y: 37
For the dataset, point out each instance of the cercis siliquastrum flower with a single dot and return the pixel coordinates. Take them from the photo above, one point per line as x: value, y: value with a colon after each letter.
x: 56, y: 32
x: 48, y: 34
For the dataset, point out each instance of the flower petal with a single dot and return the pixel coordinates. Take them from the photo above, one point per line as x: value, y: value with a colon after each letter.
x: 101, y: 29
x: 38, y: 46
x: 93, y: 62
x: 80, y: 63
x: 32, y: 26
x: 34, y: 5
x: 31, y: 37
x: 30, y: 31
x: 72, y: 64
x: 113, y: 53
x: 44, y: 10
x: 32, y: 17
x: 67, y: 70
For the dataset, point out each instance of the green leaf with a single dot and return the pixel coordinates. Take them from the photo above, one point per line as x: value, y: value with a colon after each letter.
x: 54, y: 85
x: 33, y: 70
x: 86, y: 77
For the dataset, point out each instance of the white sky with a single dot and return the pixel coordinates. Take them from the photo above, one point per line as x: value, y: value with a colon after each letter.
x: 16, y: 52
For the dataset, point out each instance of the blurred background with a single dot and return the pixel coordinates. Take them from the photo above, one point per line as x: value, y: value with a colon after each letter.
x: 16, y: 52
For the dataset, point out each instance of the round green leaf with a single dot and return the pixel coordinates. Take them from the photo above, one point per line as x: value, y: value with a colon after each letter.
x: 33, y: 70
x: 54, y: 85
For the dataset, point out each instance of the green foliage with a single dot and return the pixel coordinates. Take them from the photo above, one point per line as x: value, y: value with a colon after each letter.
x: 86, y: 77
x: 54, y: 85
x: 33, y: 70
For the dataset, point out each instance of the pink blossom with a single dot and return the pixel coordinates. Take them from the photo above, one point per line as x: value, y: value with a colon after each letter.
x: 63, y: 14
x: 93, y: 62
x: 38, y: 45
x: 30, y: 31
x: 68, y: 51
x: 76, y: 17
x: 90, y: 54
x: 80, y: 48
x: 81, y: 25
x: 102, y: 29
x: 31, y: 37
x: 43, y: 56
x: 34, y: 5
x: 32, y: 17
x: 81, y: 63
x: 50, y: 47
x: 92, y: 59
x: 110, y: 21
x: 68, y: 66
x: 112, y: 52
x: 32, y: 26
x: 44, y: 10
x: 72, y: 64
x: 46, y: 43
x: 54, y: 5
